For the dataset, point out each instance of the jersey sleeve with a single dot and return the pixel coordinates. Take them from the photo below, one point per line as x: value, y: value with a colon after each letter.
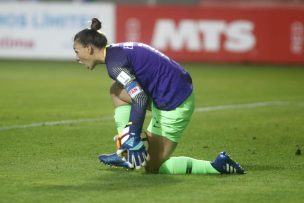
x: 138, y: 96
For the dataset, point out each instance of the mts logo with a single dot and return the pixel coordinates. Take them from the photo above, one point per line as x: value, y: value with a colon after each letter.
x: 204, y: 35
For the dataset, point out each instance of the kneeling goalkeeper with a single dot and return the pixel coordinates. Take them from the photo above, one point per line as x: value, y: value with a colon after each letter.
x: 145, y: 78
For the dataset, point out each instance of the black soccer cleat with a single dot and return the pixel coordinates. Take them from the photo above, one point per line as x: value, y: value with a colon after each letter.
x: 225, y: 165
x: 114, y: 160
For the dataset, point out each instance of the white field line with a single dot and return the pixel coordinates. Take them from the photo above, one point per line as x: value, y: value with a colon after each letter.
x: 242, y: 106
x: 107, y: 118
x: 52, y: 123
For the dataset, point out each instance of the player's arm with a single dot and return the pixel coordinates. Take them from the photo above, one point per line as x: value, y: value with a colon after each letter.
x: 138, y: 106
x: 137, y: 154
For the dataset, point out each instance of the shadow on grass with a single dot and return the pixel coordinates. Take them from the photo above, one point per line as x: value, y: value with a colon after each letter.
x: 112, y: 180
x: 108, y: 179
x: 256, y: 167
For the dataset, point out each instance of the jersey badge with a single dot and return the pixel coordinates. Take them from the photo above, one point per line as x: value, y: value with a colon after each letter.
x: 133, y: 89
x: 123, y: 78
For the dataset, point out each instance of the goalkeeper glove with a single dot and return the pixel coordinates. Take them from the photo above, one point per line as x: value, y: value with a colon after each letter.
x: 137, y: 154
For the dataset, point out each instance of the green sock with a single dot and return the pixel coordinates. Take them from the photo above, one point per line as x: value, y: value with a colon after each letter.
x: 121, y: 116
x: 186, y: 165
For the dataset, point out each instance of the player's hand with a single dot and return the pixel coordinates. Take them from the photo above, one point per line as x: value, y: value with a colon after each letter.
x: 137, y: 154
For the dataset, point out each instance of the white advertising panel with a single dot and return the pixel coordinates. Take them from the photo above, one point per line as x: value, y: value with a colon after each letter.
x: 46, y: 30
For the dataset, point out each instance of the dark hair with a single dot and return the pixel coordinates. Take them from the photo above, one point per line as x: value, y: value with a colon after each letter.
x: 92, y: 36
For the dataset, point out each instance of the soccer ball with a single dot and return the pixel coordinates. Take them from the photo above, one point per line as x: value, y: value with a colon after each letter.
x: 120, y: 139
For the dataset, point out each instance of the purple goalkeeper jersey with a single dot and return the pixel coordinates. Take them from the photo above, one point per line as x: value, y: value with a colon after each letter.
x: 161, y: 78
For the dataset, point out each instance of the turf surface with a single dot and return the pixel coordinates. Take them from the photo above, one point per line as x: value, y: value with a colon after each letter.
x: 44, y: 162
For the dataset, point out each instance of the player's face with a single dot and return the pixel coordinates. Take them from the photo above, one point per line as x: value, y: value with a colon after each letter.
x: 84, y: 55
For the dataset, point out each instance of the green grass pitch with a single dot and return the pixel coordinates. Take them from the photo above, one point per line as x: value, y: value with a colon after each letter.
x: 56, y: 117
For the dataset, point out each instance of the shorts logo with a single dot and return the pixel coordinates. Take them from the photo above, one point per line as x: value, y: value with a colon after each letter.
x: 156, y: 123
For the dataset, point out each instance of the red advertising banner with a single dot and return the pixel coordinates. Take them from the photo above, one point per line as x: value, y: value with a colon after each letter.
x: 271, y: 34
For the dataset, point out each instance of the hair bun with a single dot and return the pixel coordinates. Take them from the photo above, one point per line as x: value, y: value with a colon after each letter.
x: 95, y: 24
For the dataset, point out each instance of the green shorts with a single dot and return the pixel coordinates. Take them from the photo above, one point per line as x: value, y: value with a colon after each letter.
x: 171, y: 124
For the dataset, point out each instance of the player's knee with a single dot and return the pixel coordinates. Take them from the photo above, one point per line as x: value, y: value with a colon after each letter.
x: 153, y: 165
x: 151, y: 169
x: 115, y: 89
x: 118, y: 95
